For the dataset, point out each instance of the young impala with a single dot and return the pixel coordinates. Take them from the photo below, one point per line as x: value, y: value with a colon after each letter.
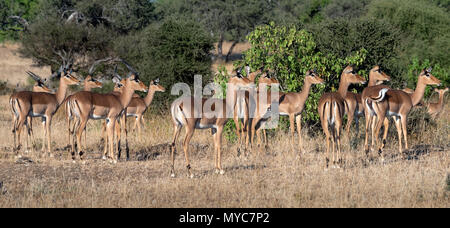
x: 332, y: 109
x: 434, y: 109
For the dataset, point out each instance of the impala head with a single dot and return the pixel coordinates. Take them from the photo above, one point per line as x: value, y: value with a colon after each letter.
x: 155, y: 86
x: 268, y: 79
x: 427, y: 78
x: 378, y: 75
x: 313, y: 78
x: 441, y: 92
x: 39, y: 86
x: 118, y: 84
x: 92, y: 82
x: 68, y: 78
x: 349, y: 75
x: 240, y: 81
x: 133, y: 82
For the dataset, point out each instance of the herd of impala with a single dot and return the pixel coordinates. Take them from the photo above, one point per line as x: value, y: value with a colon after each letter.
x: 248, y: 105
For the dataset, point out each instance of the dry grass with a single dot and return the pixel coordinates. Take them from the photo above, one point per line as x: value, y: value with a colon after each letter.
x: 13, y: 67
x: 279, y: 177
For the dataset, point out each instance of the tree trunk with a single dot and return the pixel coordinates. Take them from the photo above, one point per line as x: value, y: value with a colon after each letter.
x: 219, y: 47
x: 230, y: 51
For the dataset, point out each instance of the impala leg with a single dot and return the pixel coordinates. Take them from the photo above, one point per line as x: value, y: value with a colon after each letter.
x: 399, y: 131
x: 176, y: 133
x: 350, y: 117
x: 366, y: 137
x: 124, y: 125
x: 117, y: 137
x: 105, y: 140
x: 49, y: 136
x: 218, y: 146
x: 386, y: 129
x: 379, y: 123
x: 139, y: 126
x: 20, y: 124
x: 79, y: 132
x: 405, y: 133
x: 187, y: 139
x: 45, y: 133
x: 238, y: 128
x: 298, y: 120
x: 292, y: 129
x: 338, y: 127
x: 110, y: 125
x: 373, y: 129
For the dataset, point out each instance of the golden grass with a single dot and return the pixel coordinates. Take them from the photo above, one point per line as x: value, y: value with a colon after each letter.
x: 13, y: 67
x: 279, y: 177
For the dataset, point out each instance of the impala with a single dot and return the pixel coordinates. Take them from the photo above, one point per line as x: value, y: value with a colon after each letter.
x: 259, y: 113
x: 435, y: 108
x: 292, y: 104
x: 201, y: 113
x: 104, y: 106
x: 41, y: 104
x: 385, y: 102
x: 240, y: 103
x: 39, y: 86
x: 354, y: 101
x: 138, y: 106
x: 332, y: 108
x: 89, y: 84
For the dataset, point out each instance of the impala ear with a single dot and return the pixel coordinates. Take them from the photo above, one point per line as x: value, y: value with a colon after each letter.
x: 429, y: 69
x: 156, y: 82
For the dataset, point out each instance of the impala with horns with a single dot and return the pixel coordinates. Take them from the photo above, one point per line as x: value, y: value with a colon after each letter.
x: 201, y: 113
x: 138, y: 106
x: 110, y: 107
x: 332, y: 109
x: 434, y: 109
x: 39, y: 86
x: 354, y: 102
x: 386, y: 102
x: 89, y: 83
x: 41, y: 104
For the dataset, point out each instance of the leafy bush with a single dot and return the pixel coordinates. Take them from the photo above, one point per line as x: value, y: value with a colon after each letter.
x: 174, y: 51
x: 290, y: 53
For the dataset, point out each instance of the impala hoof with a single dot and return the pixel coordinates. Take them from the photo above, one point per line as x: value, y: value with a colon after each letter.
x: 103, y: 157
x: 191, y: 176
x: 172, y: 175
x: 222, y: 172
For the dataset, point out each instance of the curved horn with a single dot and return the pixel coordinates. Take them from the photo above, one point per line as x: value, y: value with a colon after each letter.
x: 35, y: 77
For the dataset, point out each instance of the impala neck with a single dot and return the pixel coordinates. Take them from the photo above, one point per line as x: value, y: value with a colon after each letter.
x: 61, y: 93
x: 343, y: 87
x: 126, y: 96
x: 303, y: 95
x: 149, y: 98
x: 441, y: 100
x: 87, y: 87
x: 417, y: 96
x: 372, y: 80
